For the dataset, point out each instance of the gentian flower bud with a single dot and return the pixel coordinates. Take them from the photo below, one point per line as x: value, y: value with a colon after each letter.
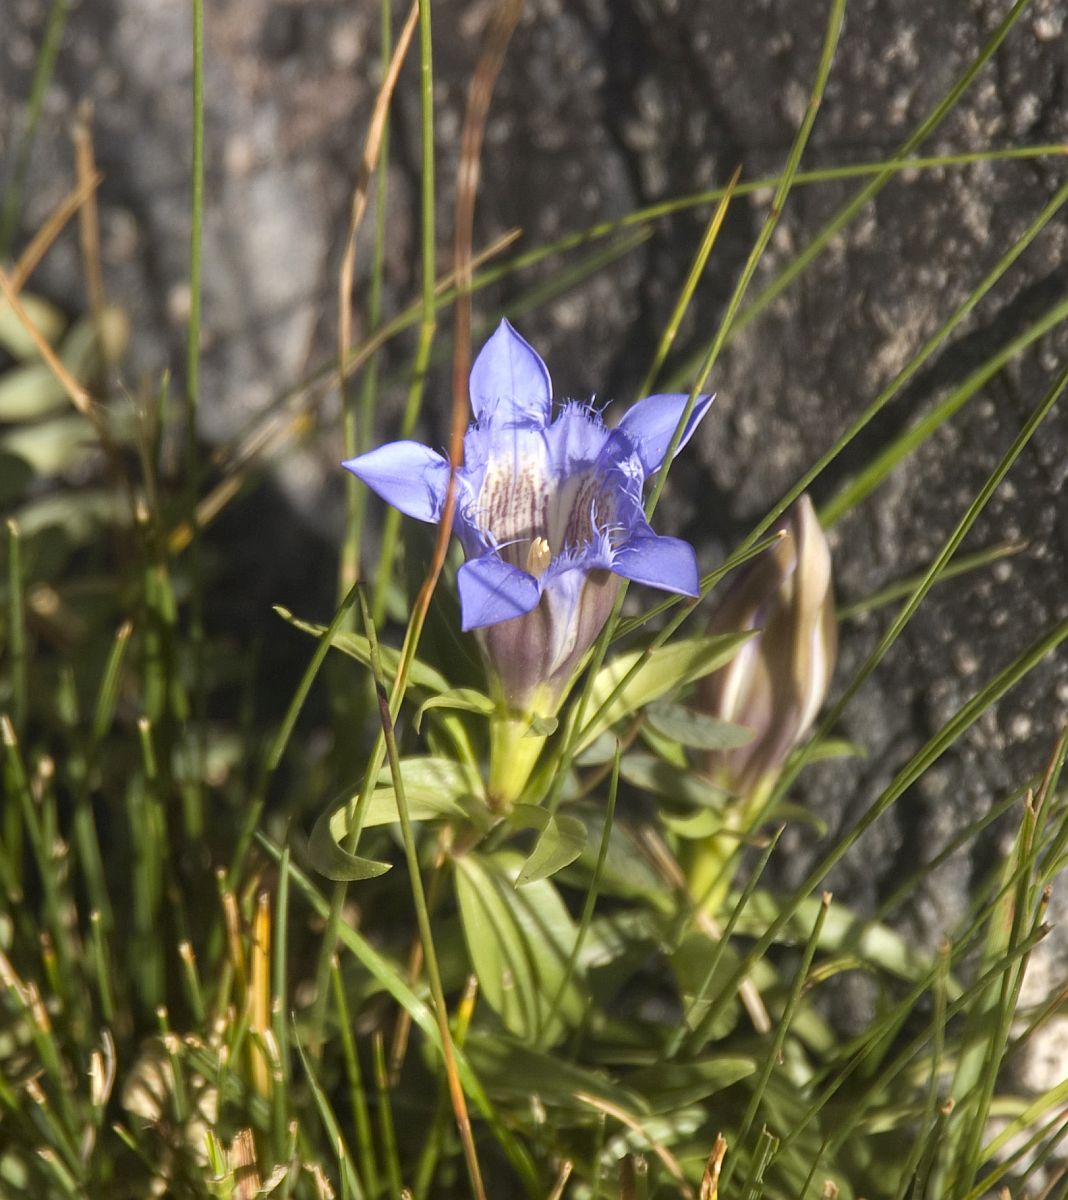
x: 549, y: 513
x: 778, y: 680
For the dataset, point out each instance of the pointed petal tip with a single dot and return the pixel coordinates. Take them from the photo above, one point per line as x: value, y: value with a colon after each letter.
x: 408, y: 475
x: 667, y: 563
x: 651, y: 424
x: 510, y: 381
x: 491, y: 591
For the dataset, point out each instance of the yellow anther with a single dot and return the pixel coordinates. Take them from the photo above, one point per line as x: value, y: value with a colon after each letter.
x: 538, y: 556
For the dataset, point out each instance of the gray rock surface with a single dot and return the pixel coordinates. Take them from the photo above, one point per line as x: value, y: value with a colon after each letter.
x: 606, y: 105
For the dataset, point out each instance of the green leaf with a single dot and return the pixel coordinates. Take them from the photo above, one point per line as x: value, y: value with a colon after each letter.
x: 841, y: 932
x: 356, y: 646
x: 542, y: 727
x: 627, y: 871
x: 562, y: 840
x: 681, y: 785
x: 79, y: 514
x: 513, y: 1072
x: 52, y: 446
x: 696, y: 729
x: 832, y: 748
x: 518, y: 941
x: 14, y: 336
x: 655, y: 674
x: 697, y: 826
x: 31, y: 392
x: 690, y: 962
x: 330, y: 860
x: 669, y: 1086
x: 433, y: 787
x: 465, y: 699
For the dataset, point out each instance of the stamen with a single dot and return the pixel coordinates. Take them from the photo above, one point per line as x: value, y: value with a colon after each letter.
x: 538, y: 557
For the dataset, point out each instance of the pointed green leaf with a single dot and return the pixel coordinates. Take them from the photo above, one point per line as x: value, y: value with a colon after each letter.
x: 695, y: 729
x: 464, y: 699
x: 561, y: 841
x: 433, y: 787
x: 639, y: 677
x: 681, y: 785
x: 356, y: 646
x: 329, y: 859
x: 518, y: 941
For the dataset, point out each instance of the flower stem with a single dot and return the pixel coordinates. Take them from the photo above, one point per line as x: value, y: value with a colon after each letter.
x: 514, y: 749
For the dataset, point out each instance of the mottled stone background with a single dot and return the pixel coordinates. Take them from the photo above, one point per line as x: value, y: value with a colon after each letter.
x: 605, y: 106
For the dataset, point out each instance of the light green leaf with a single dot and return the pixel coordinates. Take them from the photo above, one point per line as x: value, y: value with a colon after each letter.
x: 52, y: 446
x: 329, y: 859
x: 31, y: 391
x: 841, y: 932
x: 464, y: 699
x: 80, y: 514
x: 656, y: 673
x: 696, y: 827
x: 356, y: 646
x: 518, y: 941
x: 681, y: 785
x: 433, y: 787
x: 695, y: 729
x: 832, y: 748
x: 14, y: 336
x: 562, y: 840
x: 542, y: 727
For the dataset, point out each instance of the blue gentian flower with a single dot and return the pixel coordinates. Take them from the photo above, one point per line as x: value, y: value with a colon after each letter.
x: 549, y: 513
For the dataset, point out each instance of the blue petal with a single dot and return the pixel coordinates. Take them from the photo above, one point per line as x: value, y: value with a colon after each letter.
x: 408, y: 475
x: 491, y: 591
x: 651, y: 424
x: 576, y: 438
x: 509, y: 382
x: 660, y: 562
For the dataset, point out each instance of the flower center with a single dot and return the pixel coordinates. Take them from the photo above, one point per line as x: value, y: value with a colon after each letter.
x: 532, y: 515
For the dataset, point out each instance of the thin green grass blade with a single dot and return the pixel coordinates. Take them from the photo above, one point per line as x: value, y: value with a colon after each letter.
x: 700, y: 1030
x: 782, y: 192
x: 358, y: 420
x: 920, y: 762
x: 938, y: 1035
x: 330, y: 1123
x: 590, y: 902
x: 391, y: 978
x: 386, y: 1129
x: 42, y: 77
x: 941, y: 561
x: 915, y: 435
x: 193, y: 800
x: 697, y: 268
x: 361, y: 1112
x: 16, y: 633
x: 280, y: 1097
x: 904, y: 587
x: 870, y: 190
x: 281, y: 738
x: 782, y: 1028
